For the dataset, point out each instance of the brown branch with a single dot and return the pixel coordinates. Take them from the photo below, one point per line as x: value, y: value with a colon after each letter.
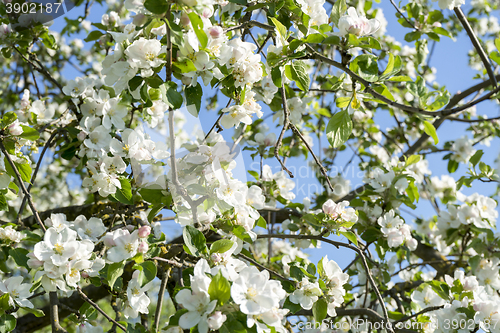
x: 54, y: 313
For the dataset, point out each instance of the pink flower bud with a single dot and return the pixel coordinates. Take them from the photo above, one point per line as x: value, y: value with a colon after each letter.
x: 84, y: 274
x: 216, y: 31
x: 4, y: 30
x: 208, y: 12
x: 143, y: 247
x: 436, y: 24
x: 81, y: 136
x: 144, y: 231
x: 15, y: 129
x: 185, y: 19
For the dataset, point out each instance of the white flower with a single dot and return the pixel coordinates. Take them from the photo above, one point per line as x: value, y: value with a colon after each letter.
x: 426, y: 297
x: 57, y: 247
x: 126, y: 245
x: 91, y: 229
x: 253, y: 292
x: 306, y: 294
x: 143, y: 53
x: 9, y: 234
x: 450, y: 4
x: 136, y: 295
x: 199, y: 307
x: 357, y: 25
x: 76, y: 87
x: 18, y: 291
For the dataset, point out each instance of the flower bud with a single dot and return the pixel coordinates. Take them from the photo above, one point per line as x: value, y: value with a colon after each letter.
x: 15, y: 128
x: 144, y: 231
x: 140, y: 19
x: 84, y: 274
x: 185, y: 19
x: 143, y: 247
x: 82, y: 135
x: 216, y: 31
x: 216, y: 320
x: 108, y: 240
x: 208, y: 12
x: 4, y: 30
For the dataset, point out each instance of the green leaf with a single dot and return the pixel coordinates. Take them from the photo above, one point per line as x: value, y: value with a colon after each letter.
x: 135, y: 82
x: 9, y: 118
x: 319, y: 310
x: 365, y: 66
x: 338, y: 10
x: 221, y: 246
x: 276, y: 76
x: 402, y: 78
x: 124, y: 194
x: 148, y: 269
x: 19, y: 256
x: 173, y: 97
x: 158, y: 7
x: 339, y: 129
x: 261, y: 222
x: 239, y: 2
x: 115, y: 270
x: 370, y: 42
x: 7, y: 323
x: 393, y: 67
x: 5, y: 302
x: 297, y: 72
x: 342, y: 102
x: 93, y: 35
x: 331, y: 40
x: 476, y: 157
x: 193, y: 97
x: 194, y: 240
x: 197, y: 24
x: 452, y: 166
x: 24, y: 170
x: 184, y: 66
x: 350, y: 236
x: 282, y: 31
x: 430, y: 130
x: 497, y: 44
x: 29, y: 133
x: 38, y: 313
x: 219, y: 289
x: 48, y: 40
x: 413, y: 159
x: 315, y: 38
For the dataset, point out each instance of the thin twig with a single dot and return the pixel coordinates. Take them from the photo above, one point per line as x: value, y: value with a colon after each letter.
x: 318, y: 162
x: 35, y: 172
x: 161, y: 295
x: 477, y: 45
x: 286, y: 122
x: 54, y: 313
x: 21, y: 184
x: 401, y: 13
x: 94, y: 304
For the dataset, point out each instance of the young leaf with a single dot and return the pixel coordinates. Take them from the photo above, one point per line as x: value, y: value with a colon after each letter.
x: 297, y: 72
x: 339, y: 128
x: 194, y: 240
x: 430, y: 130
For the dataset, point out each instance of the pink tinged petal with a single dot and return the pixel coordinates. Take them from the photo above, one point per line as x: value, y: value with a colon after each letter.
x: 189, y: 319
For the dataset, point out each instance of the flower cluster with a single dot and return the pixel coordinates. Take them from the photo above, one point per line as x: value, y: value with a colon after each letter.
x: 396, y: 231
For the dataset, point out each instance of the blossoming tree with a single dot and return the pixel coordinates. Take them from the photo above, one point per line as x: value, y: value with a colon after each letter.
x: 93, y: 257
